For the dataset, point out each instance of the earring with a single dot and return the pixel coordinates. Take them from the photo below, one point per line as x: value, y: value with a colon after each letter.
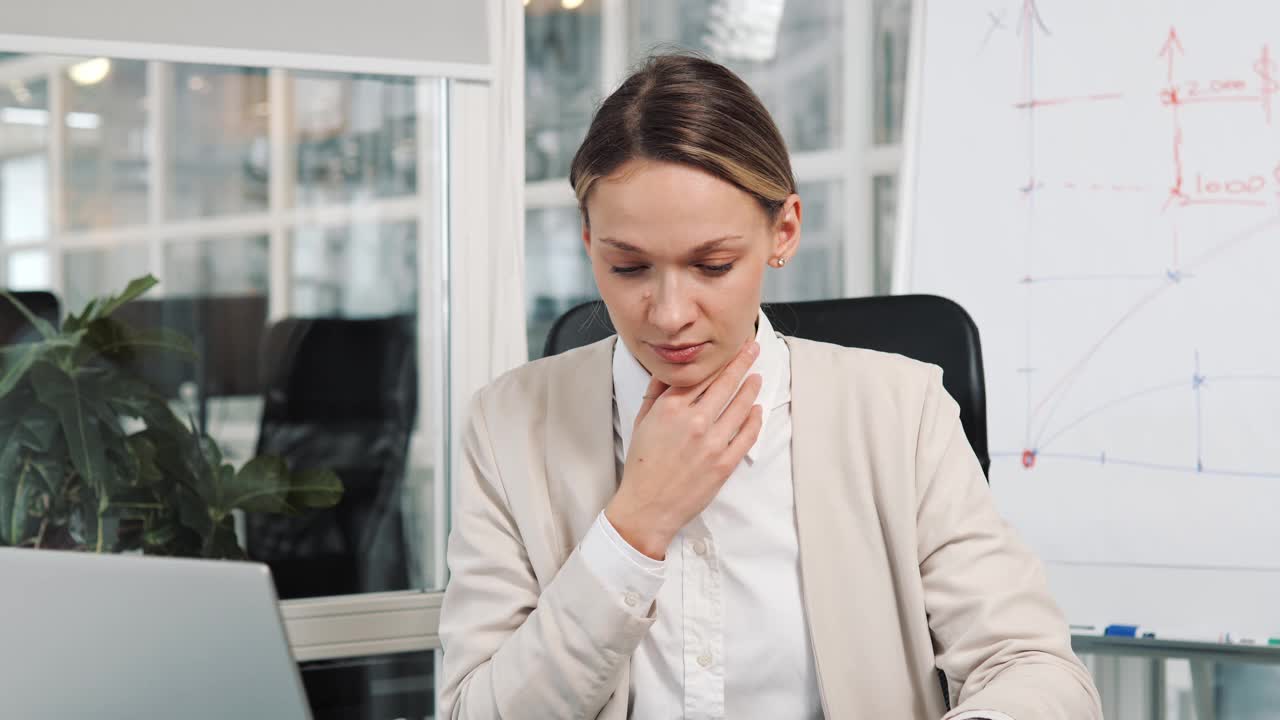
x: 779, y: 261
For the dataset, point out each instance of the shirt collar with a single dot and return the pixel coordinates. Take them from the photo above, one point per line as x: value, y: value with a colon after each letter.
x: 630, y: 380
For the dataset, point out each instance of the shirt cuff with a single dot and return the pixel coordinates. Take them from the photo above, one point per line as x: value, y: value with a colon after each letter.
x: 980, y: 715
x: 634, y: 576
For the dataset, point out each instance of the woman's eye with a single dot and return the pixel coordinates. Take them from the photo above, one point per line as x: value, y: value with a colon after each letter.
x: 716, y: 269
x: 626, y: 269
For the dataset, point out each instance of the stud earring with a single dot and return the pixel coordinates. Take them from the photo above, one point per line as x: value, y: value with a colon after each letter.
x: 779, y: 261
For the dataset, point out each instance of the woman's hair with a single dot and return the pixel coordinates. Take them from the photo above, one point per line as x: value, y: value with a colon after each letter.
x: 685, y: 109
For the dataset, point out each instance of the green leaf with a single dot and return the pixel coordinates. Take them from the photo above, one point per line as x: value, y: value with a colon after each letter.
x: 10, y: 470
x: 123, y: 468
x: 65, y: 394
x: 14, y: 505
x: 159, y: 536
x: 221, y: 544
x: 206, y: 465
x: 134, y: 502
x: 108, y: 420
x: 144, y: 452
x: 75, y: 322
x: 314, y: 489
x: 192, y: 511
x: 17, y: 360
x: 91, y: 522
x: 262, y: 485
x: 38, y: 429
x: 107, y: 337
x: 125, y: 346
x: 45, y: 329
x: 136, y: 287
x: 10, y: 446
x: 50, y: 473
x: 155, y: 340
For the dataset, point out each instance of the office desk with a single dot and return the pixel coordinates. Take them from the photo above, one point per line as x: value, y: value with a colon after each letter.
x: 1204, y: 659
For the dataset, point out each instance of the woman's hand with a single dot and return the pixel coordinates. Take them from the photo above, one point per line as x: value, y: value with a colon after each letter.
x: 681, y: 454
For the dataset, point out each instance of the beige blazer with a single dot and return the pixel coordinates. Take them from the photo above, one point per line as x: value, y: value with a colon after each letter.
x: 905, y: 565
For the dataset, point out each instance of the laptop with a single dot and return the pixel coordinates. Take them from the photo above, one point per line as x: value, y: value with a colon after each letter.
x: 111, y: 636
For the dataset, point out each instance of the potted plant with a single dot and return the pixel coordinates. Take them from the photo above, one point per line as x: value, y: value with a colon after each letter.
x: 92, y: 458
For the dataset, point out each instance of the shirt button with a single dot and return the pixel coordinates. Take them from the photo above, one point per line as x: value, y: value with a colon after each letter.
x: 700, y: 546
x: 704, y: 659
x: 632, y: 599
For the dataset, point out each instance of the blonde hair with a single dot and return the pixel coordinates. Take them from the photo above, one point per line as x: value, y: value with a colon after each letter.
x: 686, y: 109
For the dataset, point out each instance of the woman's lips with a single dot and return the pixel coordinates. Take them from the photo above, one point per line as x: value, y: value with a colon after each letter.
x: 678, y: 354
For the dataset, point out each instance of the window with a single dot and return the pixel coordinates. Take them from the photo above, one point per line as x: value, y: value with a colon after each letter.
x: 260, y: 198
x: 798, y: 67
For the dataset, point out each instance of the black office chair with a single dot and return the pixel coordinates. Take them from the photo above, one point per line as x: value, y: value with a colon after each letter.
x: 924, y: 327
x: 339, y: 394
x: 14, y: 327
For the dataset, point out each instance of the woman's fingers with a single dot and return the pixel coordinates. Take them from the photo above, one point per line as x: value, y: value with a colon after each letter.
x: 721, y: 388
x: 651, y: 395
x: 735, y: 415
x: 746, y: 437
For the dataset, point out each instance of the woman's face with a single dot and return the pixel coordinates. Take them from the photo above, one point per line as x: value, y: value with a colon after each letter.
x: 679, y: 256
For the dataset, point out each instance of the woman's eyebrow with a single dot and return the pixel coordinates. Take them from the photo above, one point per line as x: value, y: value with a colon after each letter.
x: 713, y: 244
x: 621, y: 245
x: 700, y: 248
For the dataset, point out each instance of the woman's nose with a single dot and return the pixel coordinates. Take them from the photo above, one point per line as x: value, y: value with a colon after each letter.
x: 671, y: 307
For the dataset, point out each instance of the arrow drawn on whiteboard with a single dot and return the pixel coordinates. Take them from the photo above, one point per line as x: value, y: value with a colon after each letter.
x: 1030, y: 15
x: 1171, y: 43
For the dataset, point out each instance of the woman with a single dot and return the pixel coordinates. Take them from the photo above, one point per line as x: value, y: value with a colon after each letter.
x: 769, y: 527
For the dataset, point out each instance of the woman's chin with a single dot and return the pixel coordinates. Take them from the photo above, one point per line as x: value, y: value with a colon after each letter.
x: 683, y: 375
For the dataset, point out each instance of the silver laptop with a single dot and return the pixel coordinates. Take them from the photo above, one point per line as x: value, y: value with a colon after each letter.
x: 108, y: 636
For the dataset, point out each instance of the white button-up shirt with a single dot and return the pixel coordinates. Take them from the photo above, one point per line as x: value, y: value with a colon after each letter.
x: 730, y: 637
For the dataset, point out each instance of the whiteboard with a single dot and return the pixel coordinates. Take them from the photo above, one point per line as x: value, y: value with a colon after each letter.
x: 1098, y: 184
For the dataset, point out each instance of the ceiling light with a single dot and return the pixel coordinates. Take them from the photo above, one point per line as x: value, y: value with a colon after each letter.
x: 571, y: 4
x: 89, y: 72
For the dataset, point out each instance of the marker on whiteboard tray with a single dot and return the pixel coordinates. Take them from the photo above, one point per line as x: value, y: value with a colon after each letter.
x: 1243, y: 639
x: 1142, y: 632
x: 1086, y: 630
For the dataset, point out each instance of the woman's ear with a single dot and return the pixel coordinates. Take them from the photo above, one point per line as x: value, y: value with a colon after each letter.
x: 786, y: 231
x: 586, y: 237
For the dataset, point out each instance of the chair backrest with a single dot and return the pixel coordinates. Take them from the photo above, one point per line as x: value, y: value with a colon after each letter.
x: 14, y: 326
x: 339, y: 394
x: 226, y: 330
x: 924, y: 327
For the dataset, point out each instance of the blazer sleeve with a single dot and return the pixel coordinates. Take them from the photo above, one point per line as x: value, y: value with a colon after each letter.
x: 998, y: 635
x: 514, y: 650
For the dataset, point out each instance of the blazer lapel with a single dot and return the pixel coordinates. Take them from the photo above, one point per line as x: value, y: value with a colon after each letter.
x: 830, y: 517
x: 580, y: 469
x: 581, y: 473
